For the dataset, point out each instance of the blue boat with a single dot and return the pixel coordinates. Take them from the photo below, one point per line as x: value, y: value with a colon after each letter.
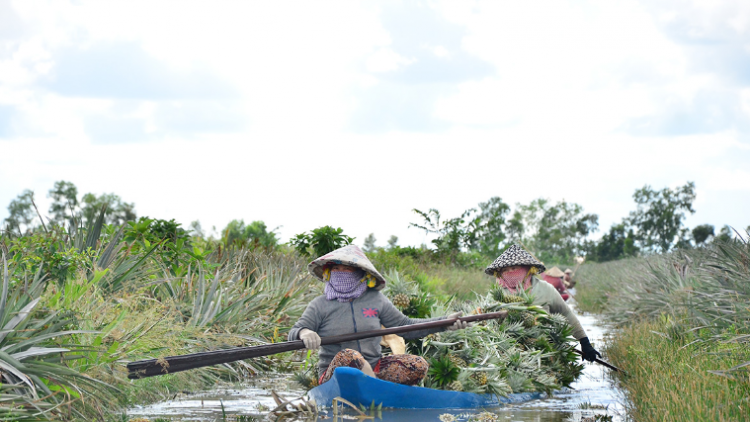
x: 352, y: 385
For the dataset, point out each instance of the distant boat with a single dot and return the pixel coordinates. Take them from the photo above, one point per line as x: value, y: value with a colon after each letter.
x: 352, y: 385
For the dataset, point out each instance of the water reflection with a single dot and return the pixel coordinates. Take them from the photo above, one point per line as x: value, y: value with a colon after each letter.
x: 594, y: 393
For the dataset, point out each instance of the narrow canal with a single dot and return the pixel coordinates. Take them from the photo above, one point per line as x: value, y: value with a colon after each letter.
x: 595, y: 393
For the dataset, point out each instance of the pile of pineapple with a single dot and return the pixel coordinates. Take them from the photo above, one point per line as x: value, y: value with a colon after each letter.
x: 529, y: 351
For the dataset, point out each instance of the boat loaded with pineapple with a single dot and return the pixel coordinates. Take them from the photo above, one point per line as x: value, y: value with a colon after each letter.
x: 521, y: 357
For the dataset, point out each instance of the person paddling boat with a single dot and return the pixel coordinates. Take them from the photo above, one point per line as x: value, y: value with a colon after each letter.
x: 352, y: 303
x: 514, y: 271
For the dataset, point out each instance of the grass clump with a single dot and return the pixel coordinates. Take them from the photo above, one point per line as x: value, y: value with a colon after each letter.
x: 670, y: 378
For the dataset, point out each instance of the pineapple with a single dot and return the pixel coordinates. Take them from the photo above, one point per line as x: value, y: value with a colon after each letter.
x: 456, y: 386
x: 512, y: 299
x: 480, y: 378
x: 529, y: 320
x: 401, y: 301
x: 457, y: 361
x: 400, y: 290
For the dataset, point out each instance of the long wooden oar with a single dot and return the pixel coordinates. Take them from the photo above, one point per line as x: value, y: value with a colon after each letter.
x: 601, y: 362
x: 172, y: 364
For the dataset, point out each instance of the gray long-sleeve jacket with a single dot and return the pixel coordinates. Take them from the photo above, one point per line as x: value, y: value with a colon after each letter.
x: 546, y: 296
x: 367, y: 312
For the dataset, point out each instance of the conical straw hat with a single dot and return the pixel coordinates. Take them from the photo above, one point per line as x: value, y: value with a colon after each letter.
x: 514, y: 255
x: 350, y: 255
x: 555, y: 272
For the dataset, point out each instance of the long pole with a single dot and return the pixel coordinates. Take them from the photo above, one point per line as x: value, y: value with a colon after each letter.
x: 172, y: 364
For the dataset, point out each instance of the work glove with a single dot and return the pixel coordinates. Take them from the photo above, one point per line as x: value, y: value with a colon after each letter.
x: 458, y: 325
x: 589, y: 353
x: 310, y: 338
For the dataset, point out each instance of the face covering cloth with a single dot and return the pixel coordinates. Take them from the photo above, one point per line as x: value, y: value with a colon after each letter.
x: 345, y: 286
x: 513, y: 279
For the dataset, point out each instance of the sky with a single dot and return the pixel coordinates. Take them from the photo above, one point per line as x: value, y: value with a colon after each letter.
x: 351, y: 114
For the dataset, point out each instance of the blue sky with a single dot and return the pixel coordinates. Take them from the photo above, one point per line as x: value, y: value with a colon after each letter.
x: 352, y: 113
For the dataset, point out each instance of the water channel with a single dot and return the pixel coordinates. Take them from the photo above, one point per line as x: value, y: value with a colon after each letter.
x: 595, y: 393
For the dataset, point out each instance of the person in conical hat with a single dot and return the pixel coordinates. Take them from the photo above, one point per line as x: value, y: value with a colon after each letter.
x: 352, y: 302
x: 554, y: 276
x: 514, y: 271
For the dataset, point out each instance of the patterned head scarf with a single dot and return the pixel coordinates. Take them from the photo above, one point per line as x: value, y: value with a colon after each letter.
x: 513, y: 279
x: 345, y: 285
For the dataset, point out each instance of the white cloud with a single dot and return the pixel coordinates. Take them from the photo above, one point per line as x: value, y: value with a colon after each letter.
x: 562, y: 85
x: 386, y: 60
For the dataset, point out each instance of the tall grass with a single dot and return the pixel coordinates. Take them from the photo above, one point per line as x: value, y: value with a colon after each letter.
x: 670, y: 380
x: 684, y: 330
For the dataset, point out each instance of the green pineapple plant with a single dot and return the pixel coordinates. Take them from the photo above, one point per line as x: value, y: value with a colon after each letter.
x: 442, y: 372
x: 400, y: 290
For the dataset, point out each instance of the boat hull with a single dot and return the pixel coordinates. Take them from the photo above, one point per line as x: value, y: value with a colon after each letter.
x: 352, y: 385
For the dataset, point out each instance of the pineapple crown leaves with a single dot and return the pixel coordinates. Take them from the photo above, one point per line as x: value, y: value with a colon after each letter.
x: 398, y: 284
x: 442, y: 371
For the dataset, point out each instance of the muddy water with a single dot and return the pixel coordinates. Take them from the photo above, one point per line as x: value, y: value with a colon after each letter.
x: 594, y: 393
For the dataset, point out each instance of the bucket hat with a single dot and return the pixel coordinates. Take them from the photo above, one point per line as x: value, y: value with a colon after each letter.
x: 555, y: 272
x: 514, y: 255
x: 350, y: 255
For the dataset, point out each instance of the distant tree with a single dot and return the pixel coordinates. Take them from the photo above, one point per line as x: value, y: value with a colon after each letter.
x: 21, y: 213
x: 64, y: 201
x: 618, y: 243
x: 514, y: 228
x: 658, y: 220
x: 254, y: 234
x: 369, y: 243
x: 453, y: 235
x: 117, y: 212
x: 320, y: 241
x: 490, y: 224
x: 556, y: 231
x: 702, y: 233
x: 392, y: 242
x: 725, y: 234
x: 196, y: 229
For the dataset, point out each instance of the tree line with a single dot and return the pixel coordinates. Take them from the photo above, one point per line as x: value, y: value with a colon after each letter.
x: 554, y: 231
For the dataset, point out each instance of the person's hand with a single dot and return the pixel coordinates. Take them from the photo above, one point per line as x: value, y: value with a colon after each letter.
x: 589, y: 353
x: 458, y: 325
x: 310, y: 338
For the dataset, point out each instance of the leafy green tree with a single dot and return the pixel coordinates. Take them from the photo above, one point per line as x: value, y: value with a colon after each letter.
x: 453, y: 235
x: 726, y: 234
x: 659, y: 216
x: 618, y: 243
x: 555, y: 231
x: 702, y: 233
x: 196, y: 228
x: 392, y: 242
x: 21, y: 213
x: 514, y: 228
x: 64, y: 201
x: 320, y: 241
x: 369, y: 243
x: 254, y: 234
x: 117, y: 212
x: 491, y: 226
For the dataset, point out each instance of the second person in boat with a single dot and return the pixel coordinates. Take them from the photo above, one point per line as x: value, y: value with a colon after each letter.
x: 514, y: 272
x: 352, y: 303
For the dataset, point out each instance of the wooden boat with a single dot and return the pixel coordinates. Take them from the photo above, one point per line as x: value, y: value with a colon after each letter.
x: 352, y: 385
